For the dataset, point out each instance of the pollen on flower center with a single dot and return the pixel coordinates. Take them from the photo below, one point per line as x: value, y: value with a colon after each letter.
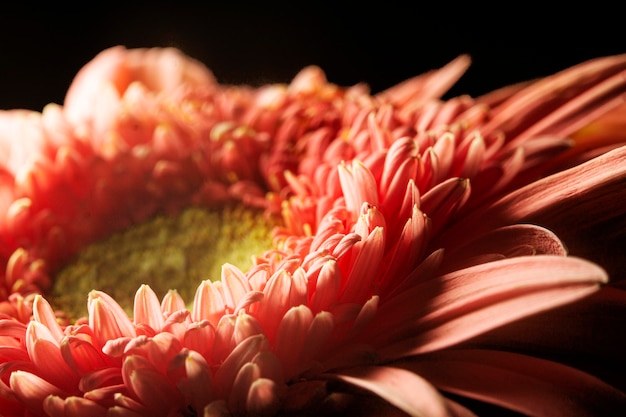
x: 166, y: 252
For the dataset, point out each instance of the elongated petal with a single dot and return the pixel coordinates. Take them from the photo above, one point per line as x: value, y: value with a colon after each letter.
x: 291, y: 336
x: 405, y: 390
x: 209, y: 304
x: 472, y: 301
x: 362, y: 273
x: 507, y: 241
x: 589, y: 196
x: 46, y: 355
x: 81, y: 356
x: 43, y: 313
x: 107, y: 318
x: 541, y: 98
x: 243, y: 353
x: 73, y: 406
x: 32, y: 390
x: 510, y: 380
x: 425, y: 87
x: 358, y: 186
x: 151, y: 387
x: 581, y: 334
x: 441, y: 201
x: 263, y: 398
x: 195, y: 380
x: 147, y: 309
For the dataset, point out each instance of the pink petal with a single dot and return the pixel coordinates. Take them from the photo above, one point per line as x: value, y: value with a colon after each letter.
x: 281, y: 293
x: 199, y: 337
x: 43, y: 313
x: 361, y: 273
x: 236, y: 286
x: 245, y: 326
x: 582, y: 334
x: 195, y: 380
x: 172, y: 302
x: 466, y: 303
x: 578, y: 204
x: 241, y: 354
x: 532, y: 386
x: 46, y: 355
x: 73, y: 406
x: 151, y: 387
x: 157, y: 68
x: 405, y: 390
x: 290, y: 338
x: 147, y: 309
x: 82, y: 356
x: 32, y: 390
x: 208, y: 303
x: 444, y: 199
x: 421, y: 89
x: 326, y: 288
x: 12, y: 328
x: 408, y: 249
x: 317, y: 337
x: 107, y: 319
x: 101, y: 379
x: 264, y: 398
x: 399, y: 153
x: 524, y: 108
x: 508, y: 241
x: 358, y: 186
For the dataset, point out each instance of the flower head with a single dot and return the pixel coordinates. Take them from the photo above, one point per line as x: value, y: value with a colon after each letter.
x: 413, y: 238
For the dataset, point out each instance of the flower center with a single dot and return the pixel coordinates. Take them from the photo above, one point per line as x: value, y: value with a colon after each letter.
x: 166, y: 252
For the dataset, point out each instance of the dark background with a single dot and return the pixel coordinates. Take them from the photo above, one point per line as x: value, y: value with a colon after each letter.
x: 42, y: 47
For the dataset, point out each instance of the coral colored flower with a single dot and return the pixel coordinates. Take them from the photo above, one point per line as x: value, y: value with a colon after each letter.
x: 414, y: 266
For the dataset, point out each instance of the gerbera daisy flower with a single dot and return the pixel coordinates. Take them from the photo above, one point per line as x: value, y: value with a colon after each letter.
x: 403, y: 260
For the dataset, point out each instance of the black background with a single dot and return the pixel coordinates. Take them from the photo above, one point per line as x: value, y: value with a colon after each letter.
x: 42, y: 46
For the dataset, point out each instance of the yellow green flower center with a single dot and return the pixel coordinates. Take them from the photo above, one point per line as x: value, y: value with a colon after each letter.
x: 166, y: 252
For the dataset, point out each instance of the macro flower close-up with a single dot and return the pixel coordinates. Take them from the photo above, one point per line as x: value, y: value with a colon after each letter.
x: 172, y: 245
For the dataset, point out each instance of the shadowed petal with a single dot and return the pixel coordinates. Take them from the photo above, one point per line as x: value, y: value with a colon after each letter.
x: 421, y: 89
x: 405, y: 390
x: 511, y: 380
x: 263, y: 398
x: 150, y: 386
x: 582, y: 334
x: 507, y: 241
x: 589, y: 196
x: 195, y: 380
x: 530, y: 105
x: 471, y: 301
x: 72, y: 406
